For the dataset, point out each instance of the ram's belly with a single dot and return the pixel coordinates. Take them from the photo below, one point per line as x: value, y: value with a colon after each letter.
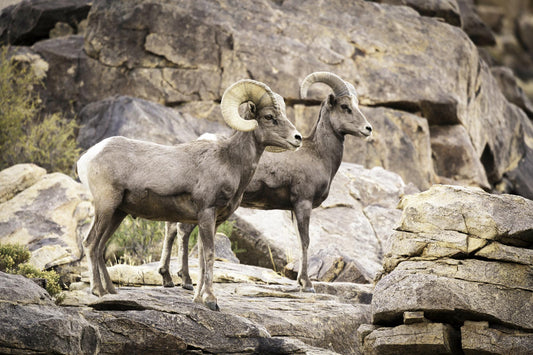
x: 149, y: 205
x: 268, y: 199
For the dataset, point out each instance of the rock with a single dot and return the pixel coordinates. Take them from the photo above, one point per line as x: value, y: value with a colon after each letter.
x: 454, y: 156
x: 520, y: 177
x: 31, y: 322
x: 476, y: 29
x: 136, y: 320
x: 524, y: 28
x: 346, y: 232
x: 478, y: 337
x: 147, y: 274
x: 27, y: 22
x: 492, y: 16
x: 504, y: 218
x: 511, y: 90
x: 400, y: 143
x: 30, y: 294
x: 51, y: 217
x: 17, y: 178
x: 65, y: 57
x: 502, y: 252
x: 419, y: 338
x: 444, y: 286
x: 448, y: 10
x: 140, y: 119
x: 223, y: 250
x: 326, y: 319
x: 465, y: 265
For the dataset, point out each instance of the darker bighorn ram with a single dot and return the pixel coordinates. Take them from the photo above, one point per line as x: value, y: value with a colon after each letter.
x: 297, y: 181
x: 200, y: 182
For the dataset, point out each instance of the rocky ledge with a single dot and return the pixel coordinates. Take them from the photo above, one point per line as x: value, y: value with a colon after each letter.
x: 458, y: 277
x: 262, y: 312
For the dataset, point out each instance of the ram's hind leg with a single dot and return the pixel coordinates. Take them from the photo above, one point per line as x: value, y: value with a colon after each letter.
x: 184, y: 232
x: 90, y: 244
x: 114, y: 223
x: 106, y: 202
x: 104, y: 224
x: 164, y: 263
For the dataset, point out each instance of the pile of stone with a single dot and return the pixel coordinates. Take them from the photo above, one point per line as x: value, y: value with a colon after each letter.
x: 457, y: 275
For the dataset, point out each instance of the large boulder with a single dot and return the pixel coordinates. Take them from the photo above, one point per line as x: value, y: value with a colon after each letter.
x: 50, y: 216
x: 448, y: 10
x: 135, y: 320
x: 140, y: 119
x: 17, y: 178
x: 454, y: 156
x: 27, y: 22
x: 460, y: 257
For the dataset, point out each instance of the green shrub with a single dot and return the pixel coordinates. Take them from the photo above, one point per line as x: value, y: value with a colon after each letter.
x: 11, y: 255
x: 51, y: 277
x: 13, y: 259
x: 137, y: 241
x: 26, y: 136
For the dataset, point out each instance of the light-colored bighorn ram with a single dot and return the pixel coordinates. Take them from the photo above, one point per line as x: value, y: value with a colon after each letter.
x: 297, y: 181
x: 200, y: 182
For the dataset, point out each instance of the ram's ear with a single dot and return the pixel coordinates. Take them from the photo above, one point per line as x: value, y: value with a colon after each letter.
x: 332, y: 100
x: 251, y: 107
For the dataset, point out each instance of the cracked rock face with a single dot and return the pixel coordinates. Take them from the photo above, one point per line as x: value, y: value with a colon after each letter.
x: 463, y: 258
x: 49, y: 213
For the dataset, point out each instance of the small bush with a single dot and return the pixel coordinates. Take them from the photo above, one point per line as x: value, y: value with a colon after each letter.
x: 51, y: 277
x: 11, y: 255
x: 26, y: 136
x: 13, y: 259
x: 140, y: 241
x: 137, y: 241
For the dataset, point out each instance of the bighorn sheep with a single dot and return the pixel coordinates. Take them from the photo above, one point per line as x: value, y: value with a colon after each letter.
x: 297, y: 181
x: 200, y: 182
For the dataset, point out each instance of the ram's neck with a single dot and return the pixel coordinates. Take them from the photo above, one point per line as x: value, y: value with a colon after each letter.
x: 328, y: 144
x: 243, y: 153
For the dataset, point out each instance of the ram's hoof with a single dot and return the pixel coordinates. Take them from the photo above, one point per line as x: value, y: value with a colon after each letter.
x: 212, y: 306
x: 308, y: 289
x: 168, y: 284
x: 188, y: 286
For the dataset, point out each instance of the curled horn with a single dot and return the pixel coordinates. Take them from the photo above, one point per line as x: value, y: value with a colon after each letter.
x: 242, y: 91
x: 339, y: 86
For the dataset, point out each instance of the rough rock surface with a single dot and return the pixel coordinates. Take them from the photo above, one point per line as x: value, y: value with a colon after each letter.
x: 140, y: 119
x: 17, y: 178
x: 274, y: 318
x: 463, y: 258
x: 26, y: 22
x: 51, y: 217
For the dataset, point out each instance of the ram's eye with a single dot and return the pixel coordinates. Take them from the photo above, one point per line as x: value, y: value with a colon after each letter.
x: 346, y: 108
x: 269, y: 117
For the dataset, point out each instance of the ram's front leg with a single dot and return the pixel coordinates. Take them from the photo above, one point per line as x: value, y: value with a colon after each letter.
x: 164, y: 262
x: 206, y: 258
x: 302, y: 211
